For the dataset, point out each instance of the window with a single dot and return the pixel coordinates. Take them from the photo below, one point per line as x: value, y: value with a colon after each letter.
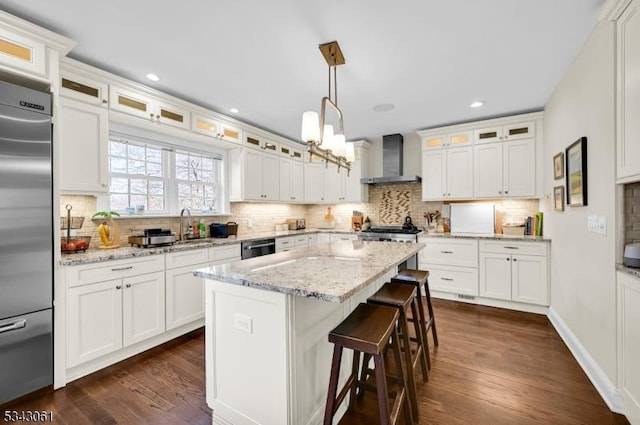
x: 162, y: 178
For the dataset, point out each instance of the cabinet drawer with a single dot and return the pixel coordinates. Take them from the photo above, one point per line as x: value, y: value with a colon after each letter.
x: 285, y: 243
x: 456, y: 280
x: 97, y: 272
x: 449, y: 252
x: 343, y: 237
x: 226, y: 252
x: 506, y: 247
x: 186, y: 258
x: 302, y: 240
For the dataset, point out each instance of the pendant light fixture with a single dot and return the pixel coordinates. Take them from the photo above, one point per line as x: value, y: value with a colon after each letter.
x: 322, y: 139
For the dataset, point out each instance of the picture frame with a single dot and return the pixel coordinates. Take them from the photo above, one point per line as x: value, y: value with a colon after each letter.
x: 558, y: 166
x: 576, y: 173
x: 558, y: 198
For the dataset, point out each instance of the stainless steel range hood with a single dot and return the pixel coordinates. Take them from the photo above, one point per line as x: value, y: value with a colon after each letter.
x: 391, y: 163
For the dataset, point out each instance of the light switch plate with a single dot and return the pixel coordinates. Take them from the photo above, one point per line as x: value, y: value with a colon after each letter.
x: 243, y: 323
x: 592, y: 223
x: 602, y: 225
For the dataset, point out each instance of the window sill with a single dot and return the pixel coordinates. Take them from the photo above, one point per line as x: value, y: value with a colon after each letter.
x: 142, y: 216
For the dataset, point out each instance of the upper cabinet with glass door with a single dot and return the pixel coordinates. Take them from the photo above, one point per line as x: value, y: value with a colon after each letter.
x: 149, y: 107
x: 518, y: 131
x: 84, y: 89
x: 212, y: 127
x: 462, y: 138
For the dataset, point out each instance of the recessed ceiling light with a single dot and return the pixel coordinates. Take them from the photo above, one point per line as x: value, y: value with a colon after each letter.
x: 153, y: 77
x: 383, y: 107
x: 234, y: 110
x: 477, y: 104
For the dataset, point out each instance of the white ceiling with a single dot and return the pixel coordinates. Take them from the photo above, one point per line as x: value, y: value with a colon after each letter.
x: 428, y: 58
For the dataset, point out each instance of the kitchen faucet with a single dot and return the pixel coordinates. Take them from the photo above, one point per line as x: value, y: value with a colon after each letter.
x: 182, y: 220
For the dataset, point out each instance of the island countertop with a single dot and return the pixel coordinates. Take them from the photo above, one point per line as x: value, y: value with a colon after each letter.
x: 329, y: 272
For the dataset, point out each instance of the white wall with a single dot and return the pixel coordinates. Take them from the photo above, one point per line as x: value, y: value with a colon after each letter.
x: 583, y: 288
x: 411, y: 155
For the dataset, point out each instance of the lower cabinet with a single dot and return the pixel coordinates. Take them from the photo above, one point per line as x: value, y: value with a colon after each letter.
x: 105, y: 316
x: 343, y: 237
x: 452, y: 264
x: 185, y: 295
x: 520, y: 277
x: 629, y: 344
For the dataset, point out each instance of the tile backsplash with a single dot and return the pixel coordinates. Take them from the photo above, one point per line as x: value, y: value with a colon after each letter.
x: 632, y: 212
x: 388, y: 205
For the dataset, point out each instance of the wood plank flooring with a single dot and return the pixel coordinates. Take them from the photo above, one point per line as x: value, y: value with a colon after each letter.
x: 492, y: 367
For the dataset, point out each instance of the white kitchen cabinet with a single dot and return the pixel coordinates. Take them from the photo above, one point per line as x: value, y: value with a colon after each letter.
x: 628, y: 94
x: 456, y: 139
x: 323, y: 238
x: 291, y: 175
x: 83, y: 146
x: 334, y: 184
x: 447, y: 173
x: 143, y: 307
x: 515, y: 131
x: 452, y: 264
x: 629, y: 344
x: 185, y: 295
x: 261, y: 179
x: 212, y: 127
x: 112, y: 305
x: 312, y: 239
x: 314, y: 182
x: 94, y: 321
x: 19, y: 52
x: 286, y: 243
x: 515, y: 271
x: 149, y: 107
x: 343, y: 237
x: 302, y: 241
x: 258, y: 142
x: 505, y: 169
x: 84, y: 89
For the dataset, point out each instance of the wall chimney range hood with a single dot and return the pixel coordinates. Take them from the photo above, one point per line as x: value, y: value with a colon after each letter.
x: 391, y: 163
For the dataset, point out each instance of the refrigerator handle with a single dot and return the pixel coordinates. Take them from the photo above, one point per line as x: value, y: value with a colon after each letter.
x: 13, y: 326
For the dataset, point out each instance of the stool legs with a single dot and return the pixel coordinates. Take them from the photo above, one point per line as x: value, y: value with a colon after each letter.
x: 402, y: 381
x: 332, y: 401
x: 432, y: 319
x: 419, y: 330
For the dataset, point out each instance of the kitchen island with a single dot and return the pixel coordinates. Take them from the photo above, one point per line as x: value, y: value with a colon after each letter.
x: 267, y: 323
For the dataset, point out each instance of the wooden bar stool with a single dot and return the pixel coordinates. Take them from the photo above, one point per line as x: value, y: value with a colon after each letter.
x: 367, y: 330
x: 403, y: 297
x: 420, y: 279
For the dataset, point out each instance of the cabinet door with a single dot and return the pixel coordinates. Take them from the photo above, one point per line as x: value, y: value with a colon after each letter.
x: 230, y: 133
x: 84, y: 89
x: 333, y: 184
x: 487, y: 170
x: 495, y: 276
x: 434, y: 142
x: 456, y: 280
x: 434, y: 174
x: 518, y: 131
x: 204, y: 125
x: 22, y: 53
x: 343, y: 237
x: 354, y: 190
x: 629, y: 344
x: 323, y: 238
x: 94, y: 321
x: 628, y: 91
x: 185, y: 296
x: 460, y: 172
x: 463, y: 138
x: 285, y: 172
x: 312, y: 239
x: 253, y: 175
x: 173, y: 115
x: 83, y: 147
x: 131, y: 102
x: 519, y: 168
x: 314, y: 182
x: 270, y: 177
x: 487, y: 135
x: 529, y: 279
x: 142, y: 307
x: 297, y: 181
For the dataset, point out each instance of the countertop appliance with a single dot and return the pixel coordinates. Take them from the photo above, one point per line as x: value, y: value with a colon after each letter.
x: 405, y: 233
x: 153, y: 237
x: 258, y: 248
x: 26, y: 242
x: 297, y: 223
x: 223, y: 230
x: 632, y: 255
x: 473, y: 218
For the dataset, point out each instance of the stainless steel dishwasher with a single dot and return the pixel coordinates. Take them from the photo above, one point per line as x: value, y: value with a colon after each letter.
x: 257, y: 248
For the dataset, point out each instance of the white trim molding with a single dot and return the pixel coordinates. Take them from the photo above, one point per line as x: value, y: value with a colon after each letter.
x: 612, y: 10
x: 608, y: 391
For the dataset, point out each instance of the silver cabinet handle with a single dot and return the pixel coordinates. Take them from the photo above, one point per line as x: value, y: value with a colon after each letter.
x: 13, y: 326
x: 119, y: 269
x: 511, y: 247
x: 447, y: 252
x: 446, y: 278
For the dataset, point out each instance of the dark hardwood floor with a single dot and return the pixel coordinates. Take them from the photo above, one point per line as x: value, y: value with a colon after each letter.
x: 492, y: 367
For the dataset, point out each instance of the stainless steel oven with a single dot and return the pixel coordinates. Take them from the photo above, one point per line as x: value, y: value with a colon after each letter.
x: 258, y: 248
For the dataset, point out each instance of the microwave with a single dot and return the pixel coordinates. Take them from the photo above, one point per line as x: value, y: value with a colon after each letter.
x: 297, y: 223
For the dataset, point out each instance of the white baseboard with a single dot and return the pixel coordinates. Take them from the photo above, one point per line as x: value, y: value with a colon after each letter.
x: 608, y: 391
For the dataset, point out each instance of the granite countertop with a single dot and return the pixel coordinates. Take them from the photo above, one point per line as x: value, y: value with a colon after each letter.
x: 633, y: 271
x: 329, y: 272
x: 497, y: 236
x: 99, y: 255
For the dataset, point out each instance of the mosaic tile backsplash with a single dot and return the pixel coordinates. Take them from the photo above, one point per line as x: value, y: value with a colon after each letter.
x: 632, y: 212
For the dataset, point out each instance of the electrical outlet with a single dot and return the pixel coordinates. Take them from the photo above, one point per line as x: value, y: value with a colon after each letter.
x: 592, y: 223
x: 602, y: 225
x: 243, y: 323
x: 249, y: 223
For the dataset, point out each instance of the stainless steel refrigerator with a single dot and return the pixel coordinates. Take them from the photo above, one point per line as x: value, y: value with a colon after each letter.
x: 26, y: 242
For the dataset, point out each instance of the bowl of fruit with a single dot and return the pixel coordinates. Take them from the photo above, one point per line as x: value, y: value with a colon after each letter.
x: 74, y: 244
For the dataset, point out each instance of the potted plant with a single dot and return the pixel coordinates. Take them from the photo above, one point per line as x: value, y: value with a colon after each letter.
x: 108, y: 230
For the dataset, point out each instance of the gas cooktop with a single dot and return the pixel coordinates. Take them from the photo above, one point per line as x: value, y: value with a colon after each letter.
x: 394, y: 229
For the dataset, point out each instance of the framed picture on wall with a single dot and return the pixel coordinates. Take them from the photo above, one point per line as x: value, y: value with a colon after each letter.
x: 558, y: 198
x: 576, y: 173
x: 558, y: 166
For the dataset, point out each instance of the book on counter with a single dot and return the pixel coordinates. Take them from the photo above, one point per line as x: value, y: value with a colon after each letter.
x: 533, y: 225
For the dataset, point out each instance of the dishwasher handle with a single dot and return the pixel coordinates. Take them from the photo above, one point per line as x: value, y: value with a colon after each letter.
x: 262, y: 245
x: 13, y: 326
